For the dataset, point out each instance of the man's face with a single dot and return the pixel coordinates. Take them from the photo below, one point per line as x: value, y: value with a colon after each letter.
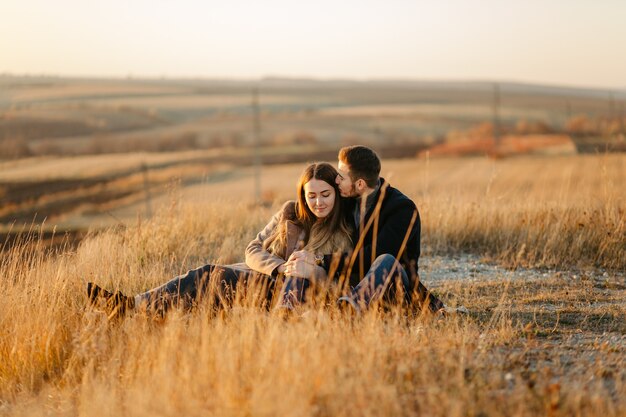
x: 344, y: 182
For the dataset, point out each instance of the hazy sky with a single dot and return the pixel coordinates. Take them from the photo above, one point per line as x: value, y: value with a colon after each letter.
x: 565, y: 42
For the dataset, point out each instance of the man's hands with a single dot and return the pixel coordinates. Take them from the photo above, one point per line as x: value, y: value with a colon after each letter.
x: 301, y: 264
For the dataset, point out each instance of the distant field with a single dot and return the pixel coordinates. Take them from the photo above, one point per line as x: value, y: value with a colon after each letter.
x: 43, y: 116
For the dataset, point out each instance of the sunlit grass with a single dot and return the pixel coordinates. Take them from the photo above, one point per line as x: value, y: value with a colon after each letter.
x: 542, y: 347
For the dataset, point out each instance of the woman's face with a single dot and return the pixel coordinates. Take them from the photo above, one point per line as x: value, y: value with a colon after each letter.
x: 320, y: 197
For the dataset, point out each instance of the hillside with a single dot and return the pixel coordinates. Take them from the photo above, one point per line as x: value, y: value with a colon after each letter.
x: 63, y: 116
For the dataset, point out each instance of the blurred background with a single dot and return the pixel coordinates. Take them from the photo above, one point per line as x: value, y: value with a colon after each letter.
x: 109, y: 109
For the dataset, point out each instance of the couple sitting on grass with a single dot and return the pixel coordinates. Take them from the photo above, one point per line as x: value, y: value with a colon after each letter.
x: 346, y: 226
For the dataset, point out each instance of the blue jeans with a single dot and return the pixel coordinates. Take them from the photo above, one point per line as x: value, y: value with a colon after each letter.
x: 293, y: 292
x: 387, y: 281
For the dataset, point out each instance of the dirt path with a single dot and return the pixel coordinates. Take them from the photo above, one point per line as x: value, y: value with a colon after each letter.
x: 467, y: 268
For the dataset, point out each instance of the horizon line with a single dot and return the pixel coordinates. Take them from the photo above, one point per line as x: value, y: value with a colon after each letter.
x: 304, y: 78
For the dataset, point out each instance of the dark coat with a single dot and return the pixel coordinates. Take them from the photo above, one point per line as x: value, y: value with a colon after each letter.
x: 386, y: 227
x: 391, y: 226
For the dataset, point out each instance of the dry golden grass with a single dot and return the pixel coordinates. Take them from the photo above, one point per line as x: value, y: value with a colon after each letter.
x: 542, y: 211
x: 544, y: 347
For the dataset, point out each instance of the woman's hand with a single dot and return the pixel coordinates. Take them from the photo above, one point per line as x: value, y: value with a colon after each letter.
x: 306, y: 256
x: 300, y: 268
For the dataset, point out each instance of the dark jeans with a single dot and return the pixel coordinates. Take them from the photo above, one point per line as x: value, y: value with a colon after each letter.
x: 221, y: 283
x: 385, y: 279
x: 293, y: 292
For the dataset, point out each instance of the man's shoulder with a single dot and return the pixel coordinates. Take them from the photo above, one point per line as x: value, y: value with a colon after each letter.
x: 396, y: 198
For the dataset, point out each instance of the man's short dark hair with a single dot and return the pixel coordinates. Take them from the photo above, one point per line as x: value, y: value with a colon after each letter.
x: 363, y: 163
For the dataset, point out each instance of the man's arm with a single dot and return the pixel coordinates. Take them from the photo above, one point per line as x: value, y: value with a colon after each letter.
x: 399, y: 224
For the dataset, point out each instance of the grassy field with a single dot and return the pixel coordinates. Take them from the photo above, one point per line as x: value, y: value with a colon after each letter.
x: 552, y: 344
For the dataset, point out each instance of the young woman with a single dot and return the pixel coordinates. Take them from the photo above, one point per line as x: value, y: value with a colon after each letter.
x: 313, y: 223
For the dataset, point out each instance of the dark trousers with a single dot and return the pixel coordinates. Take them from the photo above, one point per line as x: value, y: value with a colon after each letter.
x: 222, y: 284
x: 386, y: 281
x: 293, y: 292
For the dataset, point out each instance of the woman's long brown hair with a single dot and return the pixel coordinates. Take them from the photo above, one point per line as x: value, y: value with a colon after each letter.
x: 319, y: 231
x: 327, y: 234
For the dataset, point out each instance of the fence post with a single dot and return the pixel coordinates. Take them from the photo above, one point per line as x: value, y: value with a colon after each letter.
x: 146, y: 186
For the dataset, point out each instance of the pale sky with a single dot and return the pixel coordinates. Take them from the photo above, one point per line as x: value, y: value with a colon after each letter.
x: 563, y: 42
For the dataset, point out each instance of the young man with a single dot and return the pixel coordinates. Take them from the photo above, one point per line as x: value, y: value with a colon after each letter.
x: 386, y: 235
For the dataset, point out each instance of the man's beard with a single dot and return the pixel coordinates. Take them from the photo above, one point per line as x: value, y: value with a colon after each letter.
x: 352, y: 192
